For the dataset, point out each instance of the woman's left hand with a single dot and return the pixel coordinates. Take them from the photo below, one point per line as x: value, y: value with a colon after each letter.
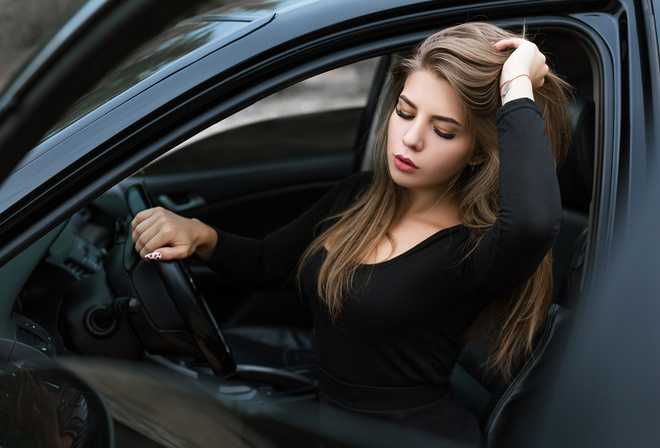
x: 527, y: 60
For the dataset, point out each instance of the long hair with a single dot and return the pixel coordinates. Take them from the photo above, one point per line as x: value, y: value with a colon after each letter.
x: 463, y: 55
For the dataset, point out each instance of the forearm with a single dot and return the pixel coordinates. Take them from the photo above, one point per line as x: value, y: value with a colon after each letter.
x: 262, y: 261
x: 529, y: 208
x: 529, y: 191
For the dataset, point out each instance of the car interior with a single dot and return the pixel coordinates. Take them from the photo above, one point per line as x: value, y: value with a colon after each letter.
x: 82, y: 289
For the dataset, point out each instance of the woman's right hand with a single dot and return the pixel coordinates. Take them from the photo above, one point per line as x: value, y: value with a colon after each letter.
x: 160, y: 231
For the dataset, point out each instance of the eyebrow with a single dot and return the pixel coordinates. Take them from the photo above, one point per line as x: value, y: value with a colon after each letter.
x: 435, y: 117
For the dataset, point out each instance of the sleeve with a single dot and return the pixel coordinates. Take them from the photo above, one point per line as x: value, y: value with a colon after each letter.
x: 276, y: 256
x: 530, y: 205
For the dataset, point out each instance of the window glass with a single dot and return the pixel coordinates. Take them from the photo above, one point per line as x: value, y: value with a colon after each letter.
x: 317, y: 116
x: 150, y: 58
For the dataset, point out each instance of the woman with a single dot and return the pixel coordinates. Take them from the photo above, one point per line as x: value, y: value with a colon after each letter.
x: 454, y: 226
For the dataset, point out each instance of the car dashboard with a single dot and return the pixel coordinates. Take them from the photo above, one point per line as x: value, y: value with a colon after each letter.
x: 63, y: 282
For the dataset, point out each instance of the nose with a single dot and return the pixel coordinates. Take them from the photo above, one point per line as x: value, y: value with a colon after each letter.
x: 413, y: 137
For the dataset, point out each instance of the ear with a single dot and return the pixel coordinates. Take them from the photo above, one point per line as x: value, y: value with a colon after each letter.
x: 477, y: 159
x: 478, y: 156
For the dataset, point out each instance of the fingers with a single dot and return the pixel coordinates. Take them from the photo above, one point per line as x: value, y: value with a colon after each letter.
x: 525, y: 59
x: 509, y: 43
x: 167, y: 253
x: 159, y: 231
x: 152, y: 234
x: 145, y: 220
x: 146, y: 232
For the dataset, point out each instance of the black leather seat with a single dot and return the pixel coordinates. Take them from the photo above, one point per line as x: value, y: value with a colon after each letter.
x: 507, y: 412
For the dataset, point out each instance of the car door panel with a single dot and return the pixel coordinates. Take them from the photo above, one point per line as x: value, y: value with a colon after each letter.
x: 209, y: 181
x: 266, y: 195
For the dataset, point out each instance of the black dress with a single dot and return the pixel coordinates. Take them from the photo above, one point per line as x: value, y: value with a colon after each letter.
x: 389, y: 354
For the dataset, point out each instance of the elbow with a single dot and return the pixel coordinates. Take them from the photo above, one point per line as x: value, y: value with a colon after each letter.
x: 541, y: 228
x: 536, y: 228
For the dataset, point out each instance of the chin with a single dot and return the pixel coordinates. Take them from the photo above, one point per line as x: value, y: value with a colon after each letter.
x: 399, y: 178
x: 402, y: 180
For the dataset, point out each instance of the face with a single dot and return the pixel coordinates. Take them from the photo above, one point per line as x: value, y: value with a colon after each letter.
x: 426, y: 145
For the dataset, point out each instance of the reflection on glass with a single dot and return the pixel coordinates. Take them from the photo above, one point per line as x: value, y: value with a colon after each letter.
x: 41, y: 408
x: 147, y: 60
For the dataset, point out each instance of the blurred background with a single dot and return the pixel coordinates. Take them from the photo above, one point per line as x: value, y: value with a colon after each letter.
x: 26, y: 23
x: 23, y: 24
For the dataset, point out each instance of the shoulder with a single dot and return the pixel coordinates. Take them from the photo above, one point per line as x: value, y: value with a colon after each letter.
x: 344, y: 193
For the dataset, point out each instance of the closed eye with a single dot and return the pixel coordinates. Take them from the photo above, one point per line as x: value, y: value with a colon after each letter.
x: 405, y: 116
x: 400, y: 113
x: 443, y: 135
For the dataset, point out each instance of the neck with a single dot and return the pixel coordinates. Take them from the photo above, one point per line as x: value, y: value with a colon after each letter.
x: 428, y: 202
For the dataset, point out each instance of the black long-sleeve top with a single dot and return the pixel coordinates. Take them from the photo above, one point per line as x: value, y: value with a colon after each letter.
x: 405, y: 325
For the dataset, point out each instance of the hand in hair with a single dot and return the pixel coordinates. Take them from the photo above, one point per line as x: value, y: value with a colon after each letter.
x: 527, y: 60
x: 172, y: 236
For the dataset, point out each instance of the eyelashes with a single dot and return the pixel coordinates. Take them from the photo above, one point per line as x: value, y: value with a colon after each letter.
x: 443, y: 135
x: 405, y: 116
x: 400, y: 113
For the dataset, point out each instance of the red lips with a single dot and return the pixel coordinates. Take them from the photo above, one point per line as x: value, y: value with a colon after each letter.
x: 405, y: 164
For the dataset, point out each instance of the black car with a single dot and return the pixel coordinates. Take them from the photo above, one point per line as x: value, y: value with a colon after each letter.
x: 242, y: 115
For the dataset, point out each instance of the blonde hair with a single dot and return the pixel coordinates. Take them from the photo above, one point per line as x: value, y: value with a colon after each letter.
x: 464, y: 56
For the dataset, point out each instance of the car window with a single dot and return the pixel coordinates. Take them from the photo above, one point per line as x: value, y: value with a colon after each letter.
x: 152, y: 57
x: 319, y: 115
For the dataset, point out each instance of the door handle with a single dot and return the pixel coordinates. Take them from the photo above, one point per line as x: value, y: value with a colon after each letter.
x: 194, y: 200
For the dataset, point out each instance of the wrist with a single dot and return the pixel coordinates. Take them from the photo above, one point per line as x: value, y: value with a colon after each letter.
x: 516, y: 86
x: 205, y: 241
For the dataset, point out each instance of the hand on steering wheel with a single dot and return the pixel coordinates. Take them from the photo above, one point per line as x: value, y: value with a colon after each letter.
x: 157, y: 230
x: 175, y: 237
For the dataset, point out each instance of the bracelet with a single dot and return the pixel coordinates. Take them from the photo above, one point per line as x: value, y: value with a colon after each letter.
x: 504, y: 88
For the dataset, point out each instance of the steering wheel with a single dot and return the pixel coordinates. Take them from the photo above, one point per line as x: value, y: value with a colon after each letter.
x: 176, y: 283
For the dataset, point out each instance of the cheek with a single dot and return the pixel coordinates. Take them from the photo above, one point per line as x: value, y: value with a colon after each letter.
x: 452, y: 153
x: 449, y: 161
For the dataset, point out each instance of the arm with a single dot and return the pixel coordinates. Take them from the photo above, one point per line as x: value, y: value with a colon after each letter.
x: 530, y: 204
x: 158, y: 230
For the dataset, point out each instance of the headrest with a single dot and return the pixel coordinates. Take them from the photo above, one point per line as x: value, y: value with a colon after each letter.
x: 576, y: 174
